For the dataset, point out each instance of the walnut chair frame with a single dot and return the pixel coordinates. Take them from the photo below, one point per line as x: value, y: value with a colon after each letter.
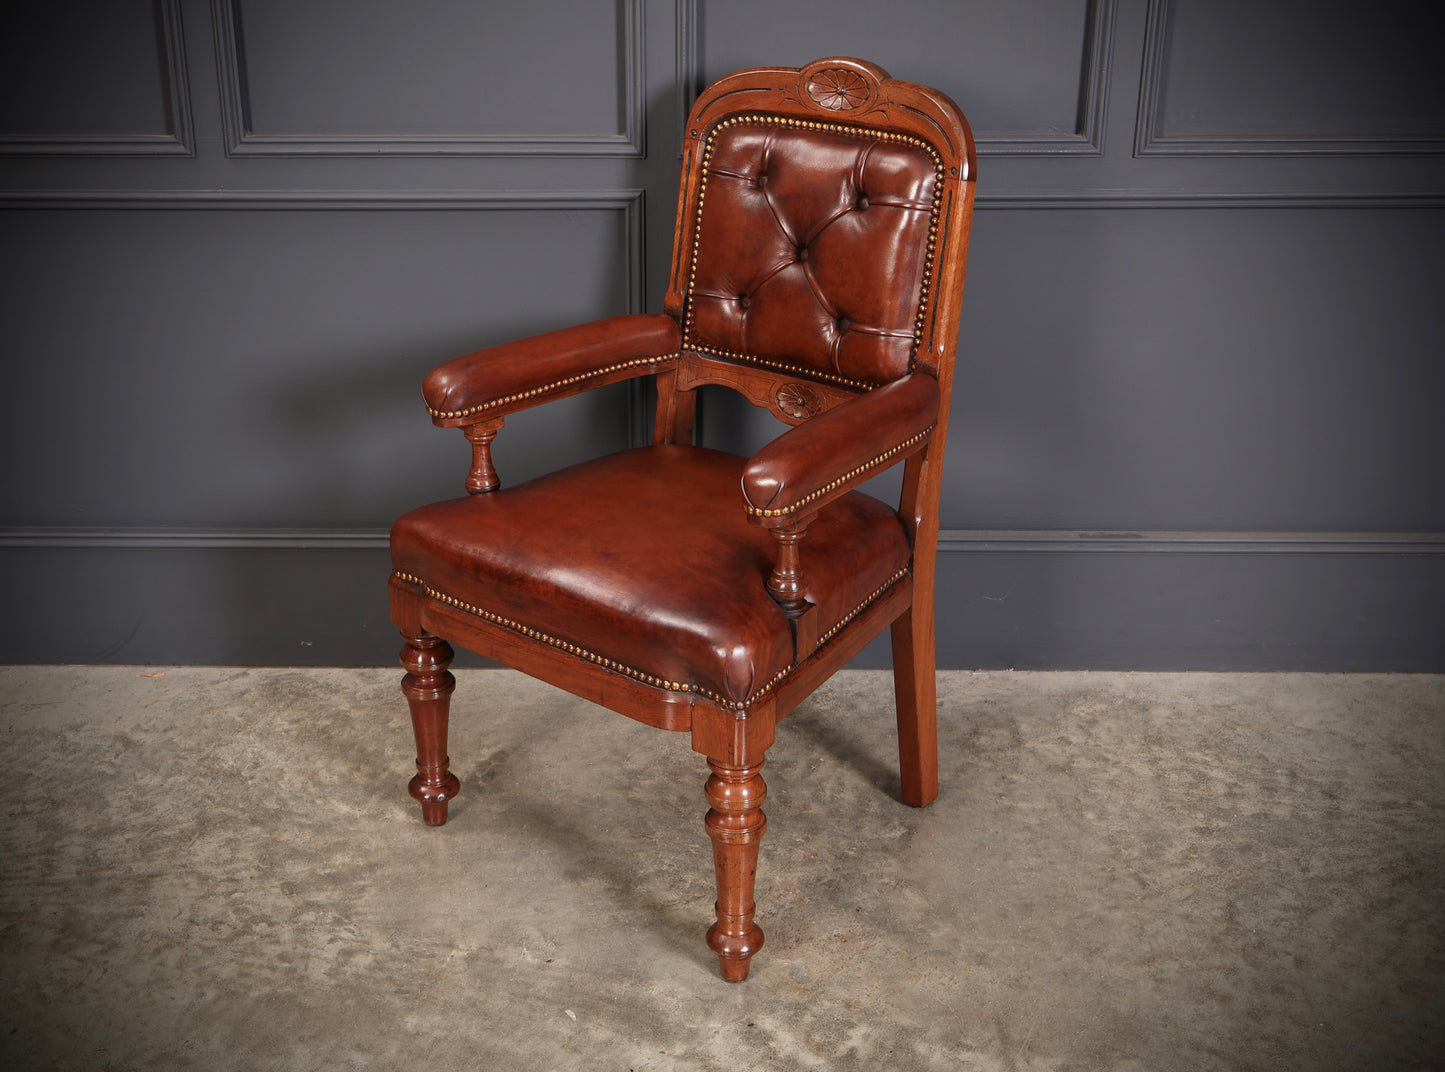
x: 822, y: 232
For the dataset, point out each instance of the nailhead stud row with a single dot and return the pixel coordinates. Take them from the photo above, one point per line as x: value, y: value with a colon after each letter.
x: 636, y: 362
x: 630, y: 671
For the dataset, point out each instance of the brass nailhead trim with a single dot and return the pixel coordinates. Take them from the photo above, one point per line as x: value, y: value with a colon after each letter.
x: 758, y: 511
x: 583, y: 653
x: 925, y: 285
x: 794, y: 370
x: 633, y: 672
x: 861, y: 607
x: 636, y: 362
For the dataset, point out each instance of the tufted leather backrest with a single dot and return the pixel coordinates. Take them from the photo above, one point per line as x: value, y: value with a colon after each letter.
x: 811, y: 248
x: 822, y: 226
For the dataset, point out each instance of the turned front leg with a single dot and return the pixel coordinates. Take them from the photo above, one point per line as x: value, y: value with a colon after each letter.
x: 428, y: 687
x: 736, y: 823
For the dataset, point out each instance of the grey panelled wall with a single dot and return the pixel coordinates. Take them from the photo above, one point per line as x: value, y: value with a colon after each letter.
x: 1197, y: 419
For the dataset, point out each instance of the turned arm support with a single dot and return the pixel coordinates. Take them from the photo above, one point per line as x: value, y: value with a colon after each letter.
x: 482, y: 386
x: 809, y: 466
x: 476, y: 391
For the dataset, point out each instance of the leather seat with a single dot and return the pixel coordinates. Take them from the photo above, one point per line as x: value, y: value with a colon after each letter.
x: 645, y: 559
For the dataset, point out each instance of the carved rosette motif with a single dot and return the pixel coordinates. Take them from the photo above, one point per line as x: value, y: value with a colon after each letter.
x: 838, y: 90
x: 798, y: 400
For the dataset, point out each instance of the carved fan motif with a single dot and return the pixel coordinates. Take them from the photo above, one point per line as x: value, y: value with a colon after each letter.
x: 838, y: 90
x: 798, y: 400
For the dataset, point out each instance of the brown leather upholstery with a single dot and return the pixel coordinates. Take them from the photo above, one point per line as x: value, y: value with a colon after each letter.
x: 818, y: 269
x: 646, y: 559
x: 812, y: 249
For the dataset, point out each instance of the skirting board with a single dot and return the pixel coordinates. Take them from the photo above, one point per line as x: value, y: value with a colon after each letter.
x: 1106, y: 601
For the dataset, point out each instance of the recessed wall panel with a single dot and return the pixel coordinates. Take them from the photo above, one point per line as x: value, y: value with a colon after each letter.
x: 256, y: 367
x: 1023, y: 69
x: 1240, y: 76
x: 441, y: 76
x: 1200, y: 369
x: 92, y: 78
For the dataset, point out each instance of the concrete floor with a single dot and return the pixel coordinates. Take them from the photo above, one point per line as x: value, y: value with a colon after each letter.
x: 220, y: 869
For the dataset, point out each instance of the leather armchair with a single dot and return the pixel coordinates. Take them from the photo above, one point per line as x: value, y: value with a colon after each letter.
x: 821, y: 238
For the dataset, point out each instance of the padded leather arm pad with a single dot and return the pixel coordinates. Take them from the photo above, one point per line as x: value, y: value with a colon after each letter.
x: 815, y: 462
x: 515, y: 375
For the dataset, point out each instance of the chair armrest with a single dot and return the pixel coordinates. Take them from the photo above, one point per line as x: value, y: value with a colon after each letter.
x: 808, y: 466
x: 515, y: 375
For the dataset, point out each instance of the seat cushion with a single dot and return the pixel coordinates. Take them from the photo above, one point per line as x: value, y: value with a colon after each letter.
x: 647, y: 558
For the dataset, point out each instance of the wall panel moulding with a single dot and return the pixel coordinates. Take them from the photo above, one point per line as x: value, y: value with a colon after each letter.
x: 273, y: 60
x: 116, y: 86
x: 1228, y: 78
x: 1087, y: 93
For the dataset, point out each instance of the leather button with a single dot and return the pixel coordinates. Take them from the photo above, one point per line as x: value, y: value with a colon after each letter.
x: 803, y: 253
x: 762, y: 179
x: 861, y: 203
x: 843, y: 324
x: 744, y: 301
